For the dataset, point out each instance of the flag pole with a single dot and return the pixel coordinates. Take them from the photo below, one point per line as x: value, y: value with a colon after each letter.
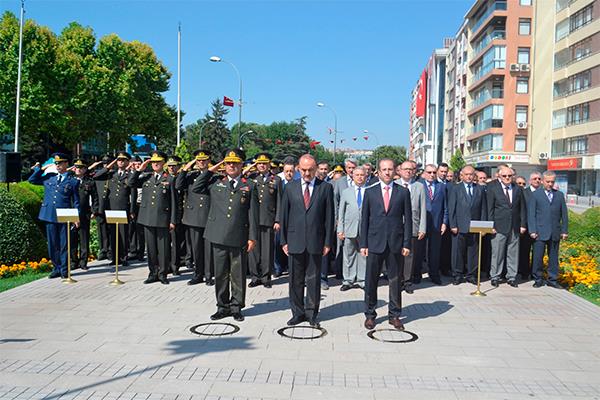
x: 179, y: 84
x: 18, y: 107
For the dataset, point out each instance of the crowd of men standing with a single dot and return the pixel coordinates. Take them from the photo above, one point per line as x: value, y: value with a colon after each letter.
x: 259, y: 219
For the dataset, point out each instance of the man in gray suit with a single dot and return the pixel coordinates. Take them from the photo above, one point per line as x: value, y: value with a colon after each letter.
x: 419, y: 219
x: 348, y: 231
x: 548, y: 223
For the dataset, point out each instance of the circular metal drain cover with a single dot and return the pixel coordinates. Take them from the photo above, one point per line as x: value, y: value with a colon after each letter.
x: 392, y: 336
x: 215, y: 329
x: 302, y: 332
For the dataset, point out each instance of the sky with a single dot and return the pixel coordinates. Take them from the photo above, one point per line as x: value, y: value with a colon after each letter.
x: 360, y: 58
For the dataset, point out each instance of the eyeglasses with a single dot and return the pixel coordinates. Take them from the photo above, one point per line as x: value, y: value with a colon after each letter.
x: 537, y: 178
x: 430, y: 172
x: 521, y: 183
x: 507, y: 176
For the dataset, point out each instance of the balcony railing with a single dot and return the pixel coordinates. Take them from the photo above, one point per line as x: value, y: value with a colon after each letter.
x: 494, y: 94
x: 558, y: 66
x: 482, y: 44
x: 499, y: 5
x: 487, y: 68
x: 486, y: 124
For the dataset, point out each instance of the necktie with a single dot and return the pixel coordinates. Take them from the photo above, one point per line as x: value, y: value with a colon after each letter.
x: 306, y: 196
x: 60, y: 177
x: 232, y: 184
x: 430, y: 191
x: 406, y: 185
x: 507, y: 195
x: 156, y: 177
x: 550, y: 197
x: 470, y: 190
x: 359, y: 198
x: 386, y: 198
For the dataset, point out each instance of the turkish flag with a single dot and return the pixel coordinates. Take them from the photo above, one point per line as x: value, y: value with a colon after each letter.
x: 228, y: 102
x: 366, y: 137
x: 314, y: 144
x: 278, y: 141
x: 354, y: 138
x: 421, y: 99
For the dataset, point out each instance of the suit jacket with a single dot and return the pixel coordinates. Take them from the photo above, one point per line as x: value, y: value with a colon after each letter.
x: 281, y: 186
x: 56, y: 195
x: 159, y: 199
x: 349, y: 213
x: 307, y: 229
x: 506, y: 216
x: 437, y: 209
x: 462, y: 208
x: 548, y: 220
x: 88, y: 198
x: 195, y: 205
x: 117, y: 193
x: 233, y: 215
x: 527, y: 193
x: 379, y: 228
x: 267, y: 198
x: 418, y: 205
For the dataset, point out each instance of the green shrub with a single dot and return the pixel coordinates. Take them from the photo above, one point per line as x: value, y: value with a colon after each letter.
x: 37, y: 189
x: 29, y: 199
x: 94, y: 242
x: 20, y: 238
x: 585, y: 226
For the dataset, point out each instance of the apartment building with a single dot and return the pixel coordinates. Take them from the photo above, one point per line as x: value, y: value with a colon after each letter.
x: 566, y: 92
x: 426, y: 124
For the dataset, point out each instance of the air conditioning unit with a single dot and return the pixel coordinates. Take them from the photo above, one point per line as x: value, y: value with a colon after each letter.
x: 524, y: 67
x: 543, y: 156
x: 522, y: 125
x: 514, y: 68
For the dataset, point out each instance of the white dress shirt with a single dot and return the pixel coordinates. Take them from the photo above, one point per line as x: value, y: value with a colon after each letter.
x: 236, y: 180
x: 311, y: 186
x: 510, y: 191
x: 383, y: 185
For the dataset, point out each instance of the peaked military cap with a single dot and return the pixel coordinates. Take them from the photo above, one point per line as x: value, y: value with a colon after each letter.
x: 123, y: 155
x: 80, y: 163
x: 234, y: 155
x: 173, y: 160
x: 338, y: 168
x: 136, y: 158
x: 60, y: 157
x: 202, y: 155
x: 263, y: 158
x: 158, y: 156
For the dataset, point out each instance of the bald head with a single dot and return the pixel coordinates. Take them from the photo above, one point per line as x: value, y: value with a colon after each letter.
x: 307, y: 167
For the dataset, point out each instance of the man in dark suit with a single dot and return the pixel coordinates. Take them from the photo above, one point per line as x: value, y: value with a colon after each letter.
x: 386, y: 232
x: 158, y: 214
x: 195, y: 216
x: 287, y: 175
x: 102, y: 226
x: 466, y: 203
x: 506, y: 208
x: 535, y: 181
x: 232, y: 229
x: 548, y: 223
x: 88, y: 207
x: 444, y: 176
x: 137, y: 244
x: 307, y: 234
x: 177, y: 235
x: 262, y: 257
x: 61, y: 190
x: 117, y: 196
x: 437, y: 222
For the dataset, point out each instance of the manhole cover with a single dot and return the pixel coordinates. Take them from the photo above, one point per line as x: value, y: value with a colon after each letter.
x: 392, y: 336
x: 302, y: 332
x: 214, y: 329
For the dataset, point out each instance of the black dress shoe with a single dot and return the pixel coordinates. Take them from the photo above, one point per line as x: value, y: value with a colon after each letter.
x: 195, y: 281
x: 538, y: 284
x: 176, y: 273
x: 268, y: 285
x: 456, y: 281
x: 124, y: 263
x: 409, y: 289
x: 296, y: 320
x: 164, y: 281
x: 370, y: 323
x: 238, y: 316
x: 210, y: 282
x: 54, y: 274
x: 495, y: 282
x: 220, y: 315
x: 314, y: 323
x: 150, y: 280
x: 553, y: 284
x: 437, y: 281
x: 416, y: 280
x: 101, y: 256
x: 254, y: 284
x: 472, y: 281
x: 513, y: 283
x: 345, y: 287
x: 84, y: 267
x: 277, y: 274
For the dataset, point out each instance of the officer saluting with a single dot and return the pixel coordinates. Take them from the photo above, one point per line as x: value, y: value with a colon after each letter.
x: 88, y: 207
x: 195, y: 216
x: 232, y: 230
x: 262, y: 257
x: 60, y: 191
x: 158, y: 214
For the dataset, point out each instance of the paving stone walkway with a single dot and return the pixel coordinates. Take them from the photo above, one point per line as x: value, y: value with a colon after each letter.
x: 92, y: 341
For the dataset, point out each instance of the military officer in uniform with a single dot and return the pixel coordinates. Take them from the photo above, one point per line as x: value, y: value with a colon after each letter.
x: 158, y: 214
x: 117, y: 196
x: 232, y: 228
x: 195, y: 215
x: 60, y: 191
x: 101, y: 225
x: 137, y: 245
x: 177, y: 235
x: 262, y: 257
x: 88, y: 207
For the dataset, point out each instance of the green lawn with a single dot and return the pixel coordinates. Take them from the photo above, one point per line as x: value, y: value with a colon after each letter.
x: 590, y: 294
x: 9, y: 283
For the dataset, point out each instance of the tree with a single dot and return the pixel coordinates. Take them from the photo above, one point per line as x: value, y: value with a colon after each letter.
x: 216, y: 137
x: 396, y: 153
x: 457, y: 162
x: 183, y: 152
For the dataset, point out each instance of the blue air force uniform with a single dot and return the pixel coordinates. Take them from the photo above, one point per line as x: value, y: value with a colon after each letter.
x: 60, y: 191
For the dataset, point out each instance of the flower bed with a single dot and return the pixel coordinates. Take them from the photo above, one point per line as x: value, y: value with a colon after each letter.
x: 580, y: 268
x: 9, y: 271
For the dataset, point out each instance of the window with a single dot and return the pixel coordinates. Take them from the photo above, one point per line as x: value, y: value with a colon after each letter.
x: 580, y: 81
x: 523, y: 55
x: 570, y: 146
x: 521, y: 114
x: 578, y: 114
x: 561, y: 30
x: 524, y: 26
x: 520, y: 143
x: 525, y: 2
x: 581, y: 18
x: 581, y: 49
x: 522, y: 85
x: 487, y: 143
x: 559, y: 119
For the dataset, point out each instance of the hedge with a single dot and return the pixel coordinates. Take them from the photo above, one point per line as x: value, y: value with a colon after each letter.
x: 30, y: 197
x: 20, y: 237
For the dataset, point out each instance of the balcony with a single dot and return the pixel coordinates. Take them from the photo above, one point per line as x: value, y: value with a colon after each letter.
x: 483, y: 43
x: 486, y: 69
x: 486, y: 124
x: 485, y: 97
x: 497, y: 6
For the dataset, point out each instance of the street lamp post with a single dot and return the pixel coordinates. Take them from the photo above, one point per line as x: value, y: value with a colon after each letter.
x: 20, y: 64
x: 321, y: 104
x: 240, y: 102
x: 201, y: 129
x: 242, y: 136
